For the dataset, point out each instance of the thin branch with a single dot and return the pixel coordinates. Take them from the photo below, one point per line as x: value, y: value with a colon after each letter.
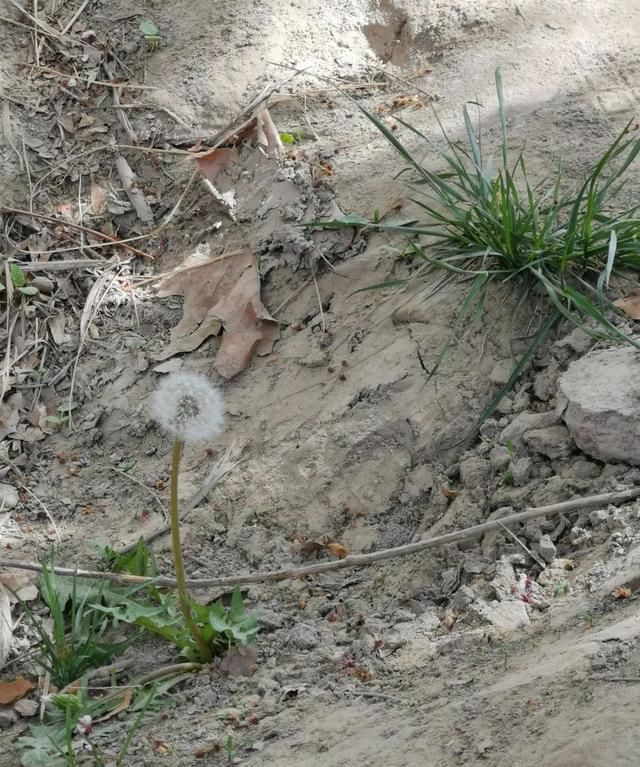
x: 354, y: 560
x: 61, y: 222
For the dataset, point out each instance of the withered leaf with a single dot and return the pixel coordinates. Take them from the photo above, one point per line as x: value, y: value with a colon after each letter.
x: 14, y: 690
x: 630, y: 304
x: 214, y: 161
x: 338, y: 550
x: 220, y: 293
x: 122, y: 705
x: 621, y: 592
x: 240, y: 661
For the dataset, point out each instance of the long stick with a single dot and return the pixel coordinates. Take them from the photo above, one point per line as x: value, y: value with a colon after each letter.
x: 354, y: 560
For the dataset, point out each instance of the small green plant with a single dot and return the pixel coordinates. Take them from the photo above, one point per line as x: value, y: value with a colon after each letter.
x: 76, y: 640
x: 151, y: 35
x: 19, y: 281
x: 507, y: 479
x: 139, y: 561
x: 292, y: 137
x: 69, y: 727
x: 487, y: 226
x: 229, y: 748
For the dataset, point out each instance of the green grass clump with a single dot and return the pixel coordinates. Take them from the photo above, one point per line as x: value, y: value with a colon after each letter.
x: 491, y: 225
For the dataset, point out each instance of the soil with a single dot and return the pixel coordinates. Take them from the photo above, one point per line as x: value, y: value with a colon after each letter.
x: 342, y: 433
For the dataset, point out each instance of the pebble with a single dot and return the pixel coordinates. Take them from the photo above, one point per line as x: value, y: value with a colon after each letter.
x: 546, y: 549
x: 304, y: 637
x: 8, y: 717
x: 598, y: 517
x: 26, y: 707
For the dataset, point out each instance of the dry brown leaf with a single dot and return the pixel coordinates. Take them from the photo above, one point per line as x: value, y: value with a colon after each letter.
x: 98, y: 199
x: 240, y: 661
x: 122, y: 705
x: 220, y: 293
x: 630, y: 304
x: 310, y: 547
x: 621, y: 592
x: 215, y: 161
x: 14, y: 690
x: 338, y: 550
x: 449, y: 493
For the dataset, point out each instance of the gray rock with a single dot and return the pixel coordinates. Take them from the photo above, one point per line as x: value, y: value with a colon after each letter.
x: 521, y: 471
x: 474, y: 472
x: 26, y: 707
x: 526, y: 422
x: 8, y: 497
x: 598, y: 517
x: 546, y: 549
x: 8, y: 717
x: 577, y: 342
x: 304, y: 637
x: 463, y: 597
x: 545, y: 384
x: 501, y: 372
x: 504, y: 581
x: 598, y: 398
x: 504, y: 616
x: 522, y: 401
x: 269, y: 620
x: 552, y: 441
x: 499, y: 458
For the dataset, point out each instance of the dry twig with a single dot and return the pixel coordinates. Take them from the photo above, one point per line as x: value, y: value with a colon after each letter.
x: 354, y: 560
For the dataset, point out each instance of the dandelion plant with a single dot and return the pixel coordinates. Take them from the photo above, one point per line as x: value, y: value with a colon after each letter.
x: 190, y: 409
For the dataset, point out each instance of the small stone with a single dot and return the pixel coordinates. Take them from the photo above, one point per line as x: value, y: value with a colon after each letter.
x: 269, y: 620
x: 552, y: 441
x: 521, y: 471
x: 546, y: 549
x: 526, y: 422
x: 27, y: 594
x: 505, y: 406
x: 506, y: 616
x: 8, y: 717
x: 522, y: 401
x: 474, y: 472
x: 304, y: 637
x: 598, y: 517
x: 26, y: 707
x: 499, y: 458
x: 8, y: 497
x: 463, y: 597
x: 489, y: 429
x: 504, y: 581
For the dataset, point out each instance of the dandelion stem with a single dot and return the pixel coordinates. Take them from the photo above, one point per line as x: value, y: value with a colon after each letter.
x: 181, y: 587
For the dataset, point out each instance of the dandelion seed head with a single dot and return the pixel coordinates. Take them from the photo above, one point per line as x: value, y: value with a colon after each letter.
x: 188, y: 406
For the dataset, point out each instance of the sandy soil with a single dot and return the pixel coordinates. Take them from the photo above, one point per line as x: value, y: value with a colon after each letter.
x: 343, y: 434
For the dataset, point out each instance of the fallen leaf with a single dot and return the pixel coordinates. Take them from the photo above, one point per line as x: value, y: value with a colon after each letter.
x: 98, y: 199
x: 449, y: 493
x: 621, y: 592
x: 310, y: 547
x: 240, y: 661
x: 122, y: 705
x: 338, y: 550
x: 212, y: 163
x: 14, y: 690
x: 220, y: 293
x: 630, y: 304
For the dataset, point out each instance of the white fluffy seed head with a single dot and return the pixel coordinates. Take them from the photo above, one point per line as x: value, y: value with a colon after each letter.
x: 188, y: 406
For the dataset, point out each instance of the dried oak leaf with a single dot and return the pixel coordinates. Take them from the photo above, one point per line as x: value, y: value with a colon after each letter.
x: 220, y: 294
x: 14, y: 690
x: 621, y: 592
x: 630, y: 304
